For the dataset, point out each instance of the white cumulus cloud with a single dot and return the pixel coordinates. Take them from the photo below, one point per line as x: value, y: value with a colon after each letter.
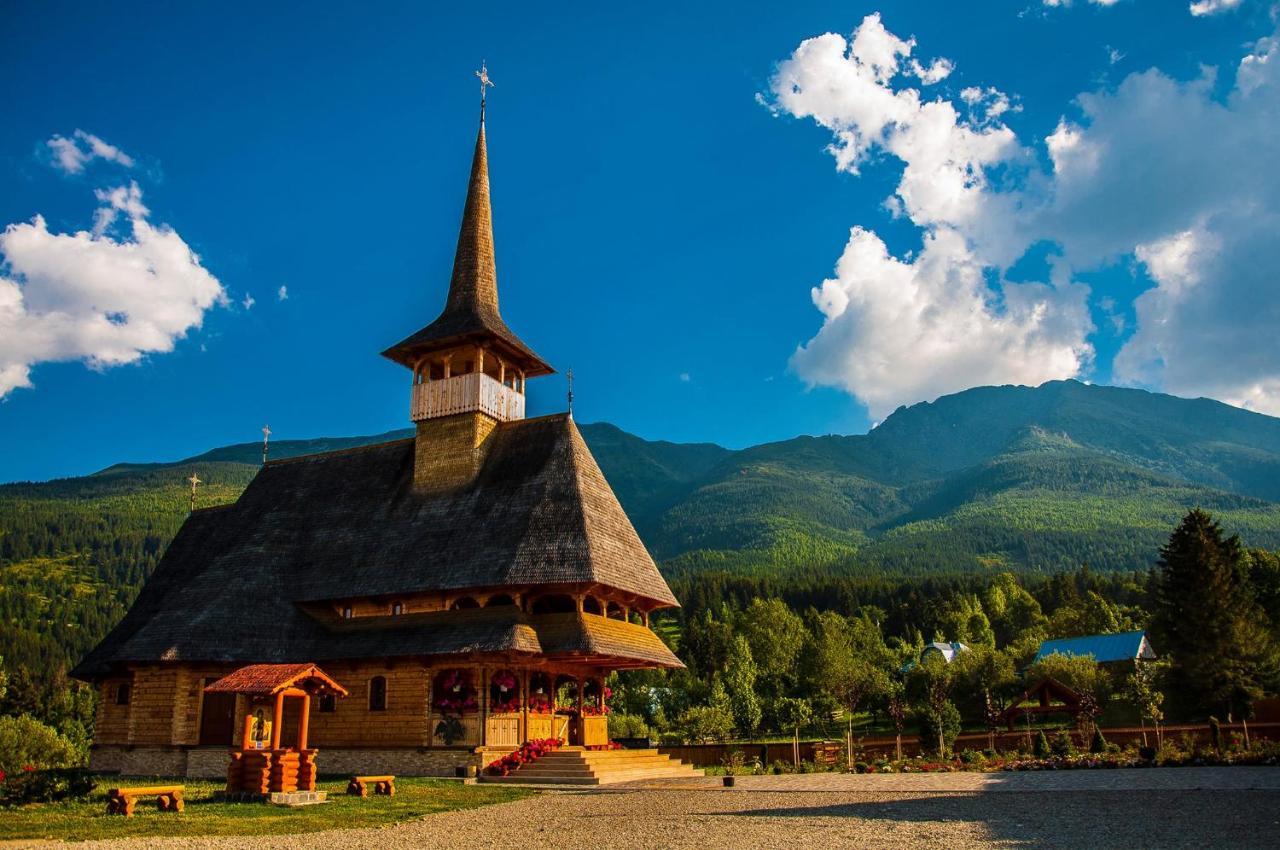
x: 72, y: 154
x: 1212, y: 7
x: 91, y: 296
x: 1182, y: 182
x: 897, y: 330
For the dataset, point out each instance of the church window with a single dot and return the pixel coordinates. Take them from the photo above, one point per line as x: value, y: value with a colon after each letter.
x: 397, y: 608
x: 123, y: 693
x: 464, y: 602
x: 328, y: 703
x: 378, y: 693
x: 346, y: 613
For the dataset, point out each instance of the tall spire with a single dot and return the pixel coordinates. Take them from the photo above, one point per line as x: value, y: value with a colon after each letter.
x: 470, y: 315
x: 474, y: 285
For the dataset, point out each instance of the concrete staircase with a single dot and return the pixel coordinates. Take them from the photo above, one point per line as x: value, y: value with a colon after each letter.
x: 576, y: 766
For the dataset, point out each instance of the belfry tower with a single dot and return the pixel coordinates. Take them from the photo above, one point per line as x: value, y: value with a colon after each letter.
x: 469, y: 369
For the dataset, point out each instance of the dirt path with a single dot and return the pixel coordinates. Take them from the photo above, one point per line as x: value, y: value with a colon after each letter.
x: 1188, y: 807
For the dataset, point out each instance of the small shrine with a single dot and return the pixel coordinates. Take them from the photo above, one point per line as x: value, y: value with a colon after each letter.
x: 1048, y: 696
x: 273, y: 757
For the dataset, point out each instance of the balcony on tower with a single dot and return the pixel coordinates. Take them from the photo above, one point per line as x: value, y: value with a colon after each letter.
x: 481, y: 387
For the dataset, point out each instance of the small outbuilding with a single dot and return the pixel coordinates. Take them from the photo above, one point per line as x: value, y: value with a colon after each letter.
x: 1105, y: 649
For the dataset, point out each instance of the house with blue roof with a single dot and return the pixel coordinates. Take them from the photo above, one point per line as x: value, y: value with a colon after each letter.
x: 1105, y: 649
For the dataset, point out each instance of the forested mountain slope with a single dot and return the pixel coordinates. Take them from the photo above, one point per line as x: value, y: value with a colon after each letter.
x: 1043, y: 478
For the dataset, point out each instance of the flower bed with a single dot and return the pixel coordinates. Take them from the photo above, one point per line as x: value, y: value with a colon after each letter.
x: 529, y: 752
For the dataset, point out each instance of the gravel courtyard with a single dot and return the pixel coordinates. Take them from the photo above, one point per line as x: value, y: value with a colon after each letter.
x: 1186, y: 807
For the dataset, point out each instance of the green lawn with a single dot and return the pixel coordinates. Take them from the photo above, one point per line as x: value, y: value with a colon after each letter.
x: 77, y: 821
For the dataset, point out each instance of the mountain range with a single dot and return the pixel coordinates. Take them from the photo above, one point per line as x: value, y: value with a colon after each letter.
x: 1025, y: 478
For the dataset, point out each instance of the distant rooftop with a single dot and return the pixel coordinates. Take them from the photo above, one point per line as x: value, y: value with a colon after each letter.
x: 1124, y: 646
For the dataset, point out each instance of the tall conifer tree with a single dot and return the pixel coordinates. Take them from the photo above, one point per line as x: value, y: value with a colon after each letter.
x: 1207, y: 621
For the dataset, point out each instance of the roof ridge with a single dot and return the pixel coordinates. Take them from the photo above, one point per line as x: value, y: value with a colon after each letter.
x: 333, y: 452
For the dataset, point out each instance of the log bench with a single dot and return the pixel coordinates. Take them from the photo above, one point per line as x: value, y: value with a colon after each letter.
x: 121, y: 801
x: 359, y: 785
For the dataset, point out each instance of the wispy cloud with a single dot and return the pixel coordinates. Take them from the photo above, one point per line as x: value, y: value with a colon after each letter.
x: 282, y: 294
x: 71, y: 154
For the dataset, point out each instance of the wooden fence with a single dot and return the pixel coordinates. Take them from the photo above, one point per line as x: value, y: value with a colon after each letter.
x: 832, y: 752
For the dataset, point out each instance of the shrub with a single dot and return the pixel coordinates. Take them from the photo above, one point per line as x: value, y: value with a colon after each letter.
x: 1215, y: 734
x: 1062, y: 745
x: 25, y: 741
x: 1098, y: 744
x: 705, y: 723
x: 946, y: 721
x: 628, y: 726
x: 1041, y: 748
x: 45, y: 786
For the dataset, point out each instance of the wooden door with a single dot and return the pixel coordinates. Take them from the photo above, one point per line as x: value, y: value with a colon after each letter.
x: 217, y: 720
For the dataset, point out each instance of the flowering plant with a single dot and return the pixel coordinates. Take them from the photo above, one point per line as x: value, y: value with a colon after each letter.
x: 592, y: 706
x: 529, y: 752
x: 504, y: 692
x: 454, y: 693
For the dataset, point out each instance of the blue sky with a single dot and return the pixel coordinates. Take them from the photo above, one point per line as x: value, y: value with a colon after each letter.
x: 665, y: 202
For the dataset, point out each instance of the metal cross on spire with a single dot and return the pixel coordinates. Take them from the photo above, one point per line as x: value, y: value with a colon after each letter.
x: 485, y: 83
x: 195, y: 481
x: 266, y: 435
x: 569, y: 376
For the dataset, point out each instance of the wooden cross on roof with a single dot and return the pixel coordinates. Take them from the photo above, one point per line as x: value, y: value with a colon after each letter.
x: 195, y: 481
x: 485, y: 83
x: 266, y: 435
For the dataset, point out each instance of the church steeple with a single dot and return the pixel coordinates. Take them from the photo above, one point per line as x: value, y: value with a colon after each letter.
x: 474, y: 284
x: 471, y: 309
x: 469, y: 368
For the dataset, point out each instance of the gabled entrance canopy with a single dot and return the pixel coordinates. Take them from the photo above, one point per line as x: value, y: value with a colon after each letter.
x: 268, y: 680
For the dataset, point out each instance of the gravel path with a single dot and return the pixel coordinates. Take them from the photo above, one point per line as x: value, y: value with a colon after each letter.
x: 1189, y: 807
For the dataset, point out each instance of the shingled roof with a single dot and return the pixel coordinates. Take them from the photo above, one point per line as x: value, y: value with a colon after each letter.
x: 471, y: 310
x: 235, y: 583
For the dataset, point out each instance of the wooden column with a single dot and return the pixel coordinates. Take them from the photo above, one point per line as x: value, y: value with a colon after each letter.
x: 448, y: 367
x: 277, y: 722
x: 304, y: 721
x: 246, y: 738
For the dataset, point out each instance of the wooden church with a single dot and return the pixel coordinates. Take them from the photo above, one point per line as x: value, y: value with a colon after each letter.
x: 465, y: 590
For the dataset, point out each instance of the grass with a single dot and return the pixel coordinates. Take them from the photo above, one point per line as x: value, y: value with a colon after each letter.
x: 87, y: 819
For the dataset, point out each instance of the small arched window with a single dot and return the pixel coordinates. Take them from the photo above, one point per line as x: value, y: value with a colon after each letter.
x: 499, y: 599
x: 123, y: 693
x: 378, y: 693
x: 463, y: 603
x: 591, y: 605
x: 397, y: 608
x: 328, y: 703
x: 346, y: 613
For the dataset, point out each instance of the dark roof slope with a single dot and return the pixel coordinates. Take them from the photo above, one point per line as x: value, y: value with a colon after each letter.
x: 348, y: 524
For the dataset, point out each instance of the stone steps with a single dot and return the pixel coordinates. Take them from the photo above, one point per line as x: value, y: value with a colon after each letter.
x: 575, y: 766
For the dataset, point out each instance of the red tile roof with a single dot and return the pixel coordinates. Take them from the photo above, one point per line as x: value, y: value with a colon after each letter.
x: 269, y: 679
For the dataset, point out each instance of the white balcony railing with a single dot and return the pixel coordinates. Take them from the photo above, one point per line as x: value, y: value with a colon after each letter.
x: 464, y: 394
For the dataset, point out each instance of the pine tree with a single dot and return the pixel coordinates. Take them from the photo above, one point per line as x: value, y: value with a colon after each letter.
x: 1207, y: 622
x: 740, y: 683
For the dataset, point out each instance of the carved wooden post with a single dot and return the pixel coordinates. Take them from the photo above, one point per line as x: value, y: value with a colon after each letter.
x: 278, y: 723
x: 304, y: 721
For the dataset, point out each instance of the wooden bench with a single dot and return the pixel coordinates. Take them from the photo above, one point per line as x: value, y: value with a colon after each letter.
x: 359, y: 785
x: 121, y: 801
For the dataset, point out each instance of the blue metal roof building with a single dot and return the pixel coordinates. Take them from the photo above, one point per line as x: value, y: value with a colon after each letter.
x: 1105, y: 649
